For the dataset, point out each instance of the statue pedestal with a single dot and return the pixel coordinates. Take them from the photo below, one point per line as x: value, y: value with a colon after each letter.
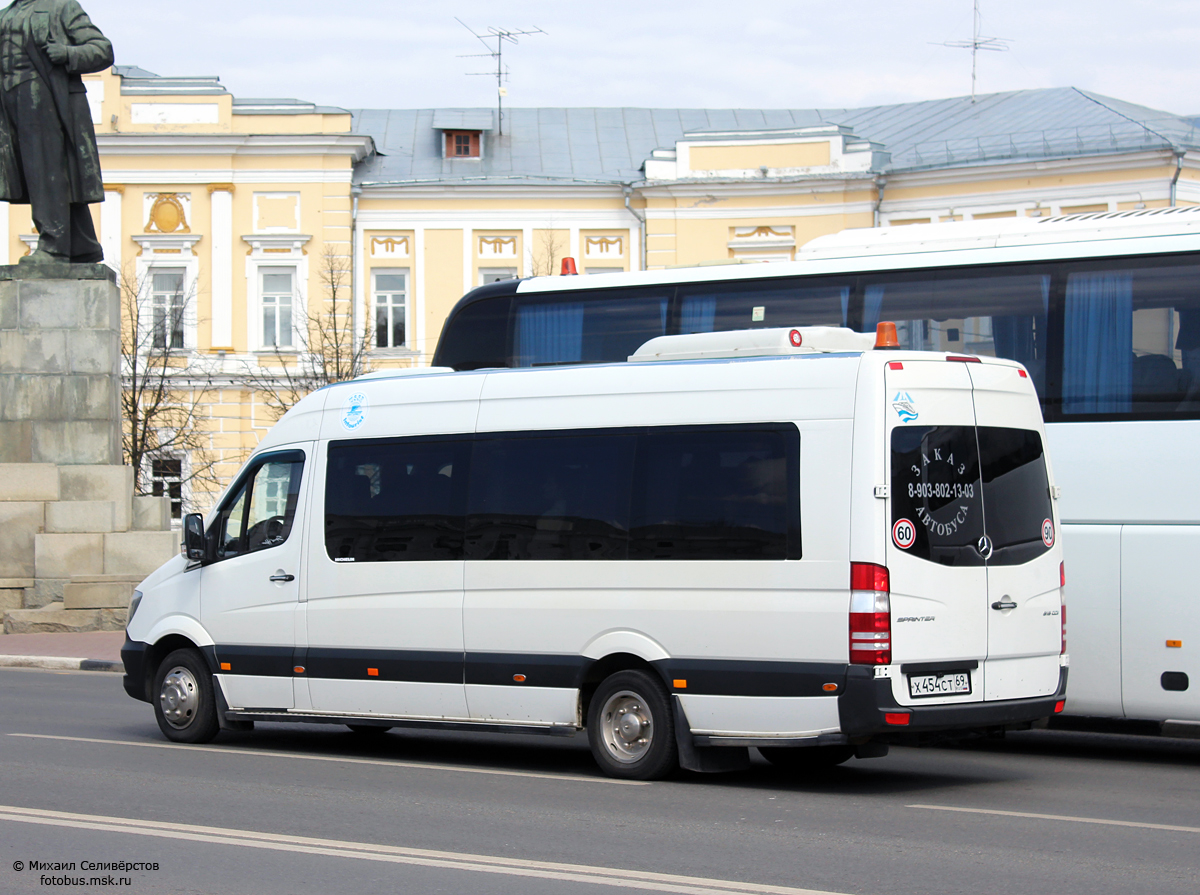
x: 74, y: 540
x: 60, y: 364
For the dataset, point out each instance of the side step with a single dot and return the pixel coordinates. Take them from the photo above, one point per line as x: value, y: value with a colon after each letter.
x: 286, y: 717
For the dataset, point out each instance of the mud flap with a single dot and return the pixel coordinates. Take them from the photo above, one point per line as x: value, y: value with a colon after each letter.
x: 709, y: 760
x: 223, y: 710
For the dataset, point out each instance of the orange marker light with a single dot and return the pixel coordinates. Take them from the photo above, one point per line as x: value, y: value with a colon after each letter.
x: 372, y: 672
x: 1175, y: 644
x: 519, y: 678
x: 225, y: 666
x: 885, y: 335
x: 299, y: 669
x: 829, y: 688
x: 679, y: 684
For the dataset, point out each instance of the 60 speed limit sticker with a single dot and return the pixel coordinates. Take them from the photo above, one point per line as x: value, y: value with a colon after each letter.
x: 1047, y: 532
x: 904, y: 533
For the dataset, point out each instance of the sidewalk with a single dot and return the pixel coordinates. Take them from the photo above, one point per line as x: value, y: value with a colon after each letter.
x: 89, y: 651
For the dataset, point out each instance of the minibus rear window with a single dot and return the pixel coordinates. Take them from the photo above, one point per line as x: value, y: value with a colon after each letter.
x: 1016, y: 494
x: 937, y: 498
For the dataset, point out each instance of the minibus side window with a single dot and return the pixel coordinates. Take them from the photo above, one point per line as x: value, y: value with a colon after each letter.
x: 261, y: 513
x: 717, y: 493
x: 396, y: 500
x: 550, y: 496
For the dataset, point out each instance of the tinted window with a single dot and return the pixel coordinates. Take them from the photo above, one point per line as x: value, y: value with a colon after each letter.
x: 1131, y: 341
x: 1016, y: 493
x: 990, y: 315
x: 718, y: 307
x: 936, y: 493
x: 477, y: 336
x: 717, y: 493
x: 550, y: 497
x: 582, y: 328
x: 260, y: 513
x: 399, y: 500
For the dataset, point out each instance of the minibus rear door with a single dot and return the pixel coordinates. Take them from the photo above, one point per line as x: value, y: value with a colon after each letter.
x: 938, y: 577
x: 1023, y: 564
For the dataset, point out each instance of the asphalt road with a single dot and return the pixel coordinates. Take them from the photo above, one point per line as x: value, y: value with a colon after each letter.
x: 86, y: 776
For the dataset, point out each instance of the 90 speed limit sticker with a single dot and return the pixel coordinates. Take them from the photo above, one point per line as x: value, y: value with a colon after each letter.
x: 904, y: 533
x: 1048, y: 532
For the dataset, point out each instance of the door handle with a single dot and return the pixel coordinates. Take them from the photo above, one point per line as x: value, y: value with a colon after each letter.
x: 1004, y: 604
x: 283, y: 576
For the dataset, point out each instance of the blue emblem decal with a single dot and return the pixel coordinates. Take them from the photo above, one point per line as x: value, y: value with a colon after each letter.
x: 354, y: 411
x: 903, y: 405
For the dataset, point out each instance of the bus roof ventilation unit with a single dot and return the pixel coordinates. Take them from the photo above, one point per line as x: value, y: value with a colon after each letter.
x: 755, y: 343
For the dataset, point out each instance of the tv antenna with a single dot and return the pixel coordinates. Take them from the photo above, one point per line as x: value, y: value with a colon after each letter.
x: 976, y: 43
x: 500, y: 36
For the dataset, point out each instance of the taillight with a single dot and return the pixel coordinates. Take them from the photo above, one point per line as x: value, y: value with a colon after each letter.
x: 870, y: 615
x: 1062, y: 604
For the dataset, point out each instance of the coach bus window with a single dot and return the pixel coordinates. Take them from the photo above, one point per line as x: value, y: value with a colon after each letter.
x: 550, y: 497
x: 395, y: 500
x: 741, y: 304
x: 992, y: 316
x: 586, y: 328
x: 726, y: 493
x: 1131, y: 341
x: 480, y: 331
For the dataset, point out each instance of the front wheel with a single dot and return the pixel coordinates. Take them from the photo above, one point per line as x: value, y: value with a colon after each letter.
x: 631, y: 728
x: 184, y: 704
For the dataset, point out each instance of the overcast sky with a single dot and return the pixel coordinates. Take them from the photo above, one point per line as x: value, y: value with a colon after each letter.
x: 665, y: 53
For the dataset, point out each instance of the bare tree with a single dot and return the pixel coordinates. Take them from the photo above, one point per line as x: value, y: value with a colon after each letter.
x: 545, y: 255
x: 164, y: 388
x: 329, y: 348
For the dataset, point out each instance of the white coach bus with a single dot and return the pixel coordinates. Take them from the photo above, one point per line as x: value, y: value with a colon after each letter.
x: 781, y: 538
x: 1103, y: 310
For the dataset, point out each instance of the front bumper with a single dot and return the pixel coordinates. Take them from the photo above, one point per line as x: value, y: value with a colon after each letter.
x: 867, y: 700
x: 133, y: 655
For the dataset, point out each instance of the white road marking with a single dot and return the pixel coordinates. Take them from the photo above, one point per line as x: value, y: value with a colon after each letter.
x: 416, y: 765
x: 618, y: 877
x: 1077, y: 820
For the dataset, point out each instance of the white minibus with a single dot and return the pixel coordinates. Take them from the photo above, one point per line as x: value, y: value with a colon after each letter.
x: 1102, y: 309
x: 788, y: 539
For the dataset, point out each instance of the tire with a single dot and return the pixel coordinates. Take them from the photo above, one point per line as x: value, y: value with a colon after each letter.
x: 368, y: 730
x: 806, y: 758
x: 631, y: 727
x: 184, y: 704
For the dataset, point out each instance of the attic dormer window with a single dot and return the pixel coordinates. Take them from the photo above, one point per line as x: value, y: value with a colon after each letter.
x: 462, y: 144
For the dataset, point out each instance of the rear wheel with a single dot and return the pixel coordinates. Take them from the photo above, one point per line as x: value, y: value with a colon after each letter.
x: 183, y: 698
x: 631, y: 728
x: 806, y: 758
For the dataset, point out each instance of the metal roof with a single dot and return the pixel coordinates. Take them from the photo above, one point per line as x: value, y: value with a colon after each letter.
x: 609, y: 145
x: 464, y: 120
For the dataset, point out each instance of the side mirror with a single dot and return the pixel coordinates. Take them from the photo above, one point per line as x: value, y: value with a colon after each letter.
x: 193, y: 537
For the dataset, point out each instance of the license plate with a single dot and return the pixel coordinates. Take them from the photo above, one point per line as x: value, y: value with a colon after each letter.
x: 950, y: 684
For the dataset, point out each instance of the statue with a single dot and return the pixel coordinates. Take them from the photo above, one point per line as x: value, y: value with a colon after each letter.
x: 48, y: 155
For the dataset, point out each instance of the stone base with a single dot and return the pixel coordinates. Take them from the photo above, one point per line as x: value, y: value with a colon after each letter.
x: 99, y: 592
x: 54, y: 619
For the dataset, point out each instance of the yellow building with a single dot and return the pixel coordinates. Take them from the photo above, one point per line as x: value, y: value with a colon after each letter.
x: 239, y: 214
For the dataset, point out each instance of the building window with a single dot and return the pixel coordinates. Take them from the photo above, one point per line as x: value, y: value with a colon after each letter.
x: 166, y: 478
x: 462, y: 144
x: 391, y: 297
x: 496, y: 274
x: 278, y: 298
x: 166, y: 299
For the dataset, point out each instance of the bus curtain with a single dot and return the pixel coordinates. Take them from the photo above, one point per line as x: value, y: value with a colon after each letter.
x: 1098, y: 343
x: 549, y: 334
